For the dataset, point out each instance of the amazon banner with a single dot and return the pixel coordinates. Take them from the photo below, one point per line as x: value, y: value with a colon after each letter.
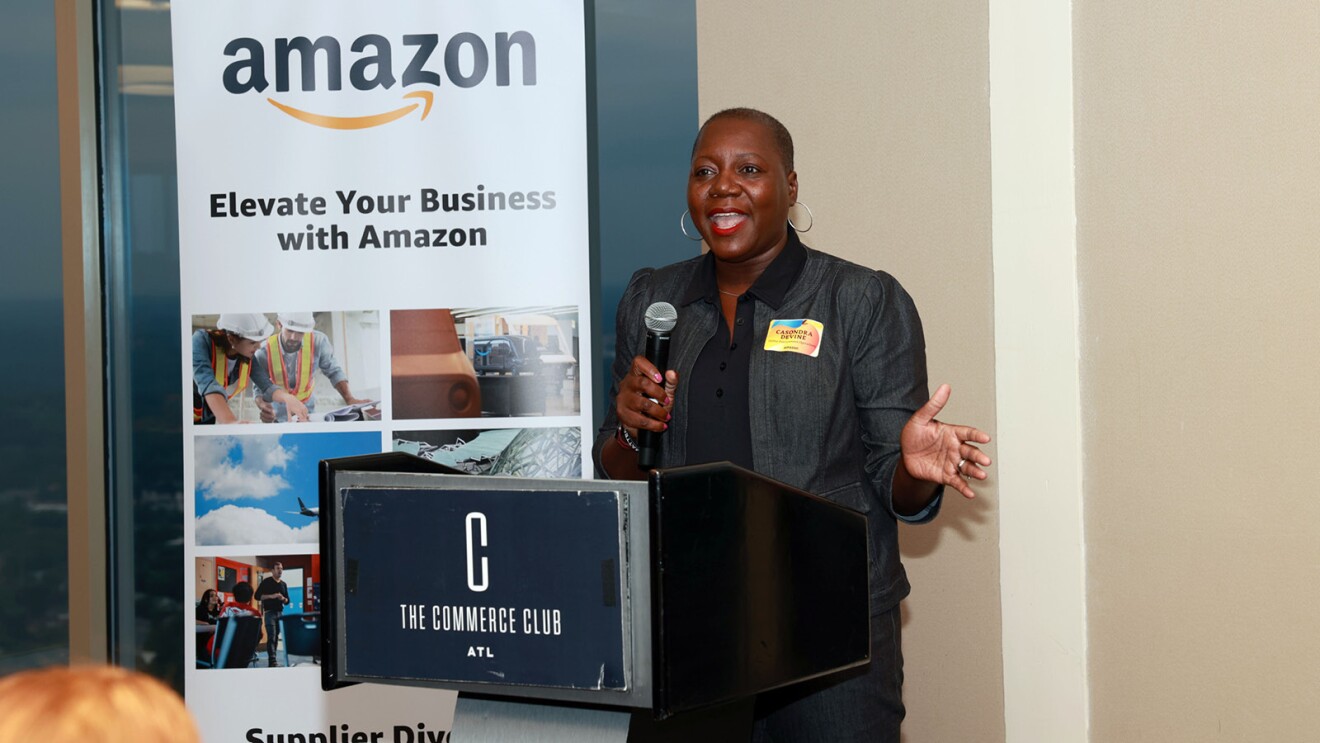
x: 383, y: 227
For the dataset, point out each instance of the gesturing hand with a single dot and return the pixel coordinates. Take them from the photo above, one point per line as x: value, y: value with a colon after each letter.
x: 942, y: 452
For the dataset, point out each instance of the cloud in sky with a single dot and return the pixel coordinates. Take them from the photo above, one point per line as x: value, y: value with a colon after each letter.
x: 254, y: 475
x: 230, y: 524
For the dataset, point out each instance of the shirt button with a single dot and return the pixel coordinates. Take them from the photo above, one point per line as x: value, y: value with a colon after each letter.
x: 722, y: 365
x: 733, y: 346
x: 719, y: 392
x: 740, y: 322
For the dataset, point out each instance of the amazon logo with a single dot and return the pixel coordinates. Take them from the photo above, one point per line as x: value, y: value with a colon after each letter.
x: 372, y: 62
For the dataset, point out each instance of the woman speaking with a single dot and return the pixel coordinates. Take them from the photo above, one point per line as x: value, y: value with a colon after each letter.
x: 800, y: 366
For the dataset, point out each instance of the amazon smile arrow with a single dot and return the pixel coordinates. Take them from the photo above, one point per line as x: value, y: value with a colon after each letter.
x: 360, y: 122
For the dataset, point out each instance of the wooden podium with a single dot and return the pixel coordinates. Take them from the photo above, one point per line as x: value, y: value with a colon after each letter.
x: 587, y: 610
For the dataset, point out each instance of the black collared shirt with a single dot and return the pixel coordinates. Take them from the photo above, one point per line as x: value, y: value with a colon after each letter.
x: 719, y: 418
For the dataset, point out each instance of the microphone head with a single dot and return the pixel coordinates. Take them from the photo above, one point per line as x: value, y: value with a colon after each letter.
x: 661, y: 317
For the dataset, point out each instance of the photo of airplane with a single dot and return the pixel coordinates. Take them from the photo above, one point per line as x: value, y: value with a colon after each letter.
x: 303, y: 510
x: 261, y: 489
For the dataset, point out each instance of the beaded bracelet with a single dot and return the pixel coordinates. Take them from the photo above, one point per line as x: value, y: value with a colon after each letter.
x: 626, y: 441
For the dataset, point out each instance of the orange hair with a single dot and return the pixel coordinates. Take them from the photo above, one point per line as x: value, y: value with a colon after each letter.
x: 91, y: 703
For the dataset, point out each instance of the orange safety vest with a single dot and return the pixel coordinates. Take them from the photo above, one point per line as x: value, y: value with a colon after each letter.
x: 306, y: 365
x: 219, y: 365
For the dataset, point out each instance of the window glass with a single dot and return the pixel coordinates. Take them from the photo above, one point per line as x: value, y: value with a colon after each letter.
x: 143, y: 344
x: 33, y: 494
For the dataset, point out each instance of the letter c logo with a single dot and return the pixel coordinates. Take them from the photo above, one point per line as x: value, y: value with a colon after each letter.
x: 480, y: 520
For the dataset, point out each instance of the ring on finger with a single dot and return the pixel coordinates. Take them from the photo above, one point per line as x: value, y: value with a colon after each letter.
x: 961, y: 462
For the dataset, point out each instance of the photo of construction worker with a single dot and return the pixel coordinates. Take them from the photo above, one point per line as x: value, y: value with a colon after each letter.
x: 222, y: 354
x: 291, y: 359
x: 256, y: 371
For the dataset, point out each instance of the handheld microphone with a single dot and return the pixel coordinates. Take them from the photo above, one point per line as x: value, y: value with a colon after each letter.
x: 660, y: 320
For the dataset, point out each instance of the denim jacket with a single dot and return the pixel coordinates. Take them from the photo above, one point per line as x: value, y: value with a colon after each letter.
x: 830, y: 424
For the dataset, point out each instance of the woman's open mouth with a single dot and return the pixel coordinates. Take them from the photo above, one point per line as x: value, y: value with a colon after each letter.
x: 726, y: 222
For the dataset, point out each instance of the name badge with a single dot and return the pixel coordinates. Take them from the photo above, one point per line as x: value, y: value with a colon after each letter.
x: 795, y: 336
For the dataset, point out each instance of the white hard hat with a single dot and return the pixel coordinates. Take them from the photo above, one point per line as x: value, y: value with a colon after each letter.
x: 250, y: 325
x: 301, y: 322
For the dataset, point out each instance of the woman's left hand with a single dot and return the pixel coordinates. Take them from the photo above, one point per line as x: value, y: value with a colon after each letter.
x: 942, y: 452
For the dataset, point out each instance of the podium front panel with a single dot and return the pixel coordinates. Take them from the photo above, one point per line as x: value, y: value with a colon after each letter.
x: 485, y: 584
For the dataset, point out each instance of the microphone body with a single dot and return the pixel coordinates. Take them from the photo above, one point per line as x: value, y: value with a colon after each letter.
x: 660, y: 320
x: 648, y: 442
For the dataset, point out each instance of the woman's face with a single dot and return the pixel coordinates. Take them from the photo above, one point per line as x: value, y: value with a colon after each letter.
x: 244, y: 347
x: 739, y: 191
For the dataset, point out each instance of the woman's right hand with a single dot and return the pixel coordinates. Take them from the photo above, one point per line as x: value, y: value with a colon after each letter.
x: 645, y: 399
x: 297, y: 411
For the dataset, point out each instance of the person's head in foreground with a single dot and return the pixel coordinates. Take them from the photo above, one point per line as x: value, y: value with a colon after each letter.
x: 91, y: 704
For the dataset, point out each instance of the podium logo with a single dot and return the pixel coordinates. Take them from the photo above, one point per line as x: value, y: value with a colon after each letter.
x: 476, y: 522
x: 374, y: 62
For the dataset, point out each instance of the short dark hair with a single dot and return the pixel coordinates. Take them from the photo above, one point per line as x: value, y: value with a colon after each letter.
x: 779, y: 132
x: 243, y: 592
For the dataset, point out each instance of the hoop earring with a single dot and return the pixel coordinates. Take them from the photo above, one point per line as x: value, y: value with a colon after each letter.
x: 809, y: 214
x: 683, y: 226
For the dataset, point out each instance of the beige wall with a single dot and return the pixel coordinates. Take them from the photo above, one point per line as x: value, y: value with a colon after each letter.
x: 1198, y: 203
x: 888, y: 106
